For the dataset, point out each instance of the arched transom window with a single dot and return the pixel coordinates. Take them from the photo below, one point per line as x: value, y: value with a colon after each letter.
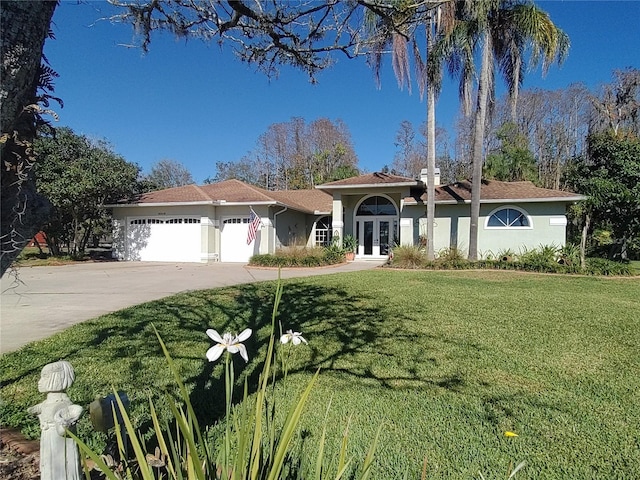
x: 376, y: 206
x: 508, y: 218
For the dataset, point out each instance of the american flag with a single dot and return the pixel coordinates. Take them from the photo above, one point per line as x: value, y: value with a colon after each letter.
x: 254, y: 223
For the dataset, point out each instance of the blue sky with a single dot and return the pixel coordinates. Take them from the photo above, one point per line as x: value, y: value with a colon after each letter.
x: 197, y: 104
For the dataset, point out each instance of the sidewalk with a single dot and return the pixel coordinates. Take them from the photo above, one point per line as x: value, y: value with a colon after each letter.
x: 44, y: 300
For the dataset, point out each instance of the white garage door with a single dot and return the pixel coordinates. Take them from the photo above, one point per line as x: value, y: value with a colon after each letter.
x: 164, y: 239
x: 234, y: 246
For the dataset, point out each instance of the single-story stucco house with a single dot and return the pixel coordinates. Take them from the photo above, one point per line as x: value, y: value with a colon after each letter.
x: 211, y: 222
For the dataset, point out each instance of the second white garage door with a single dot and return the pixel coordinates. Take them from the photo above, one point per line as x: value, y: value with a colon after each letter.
x: 161, y: 239
x: 234, y: 246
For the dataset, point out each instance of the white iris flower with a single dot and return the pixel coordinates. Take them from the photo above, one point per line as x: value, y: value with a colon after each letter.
x: 294, y: 337
x: 227, y: 342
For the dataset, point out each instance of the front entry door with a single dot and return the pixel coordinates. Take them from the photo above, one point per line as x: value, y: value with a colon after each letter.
x: 374, y: 236
x: 367, y: 238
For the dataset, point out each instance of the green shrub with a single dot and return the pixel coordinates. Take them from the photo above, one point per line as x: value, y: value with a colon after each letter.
x: 408, y: 256
x: 544, y: 259
x: 451, y: 259
x: 349, y: 243
x: 451, y: 254
x: 300, y: 257
x: 506, y: 255
x: 333, y: 255
x: 602, y: 266
x: 569, y: 255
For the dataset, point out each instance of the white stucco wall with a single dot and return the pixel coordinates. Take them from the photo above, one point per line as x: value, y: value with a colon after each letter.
x: 121, y: 229
x: 211, y: 218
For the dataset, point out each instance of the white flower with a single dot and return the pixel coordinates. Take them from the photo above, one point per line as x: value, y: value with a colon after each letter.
x: 229, y: 342
x: 294, y: 337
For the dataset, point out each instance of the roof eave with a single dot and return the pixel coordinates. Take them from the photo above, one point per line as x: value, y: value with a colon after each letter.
x: 368, y: 185
x: 216, y: 203
x: 575, y: 198
x: 163, y: 204
x: 261, y: 202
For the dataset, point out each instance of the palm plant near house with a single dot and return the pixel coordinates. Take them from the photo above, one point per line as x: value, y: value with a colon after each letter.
x: 502, y: 30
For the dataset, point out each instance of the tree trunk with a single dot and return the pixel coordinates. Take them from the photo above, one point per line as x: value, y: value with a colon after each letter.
x: 583, y: 241
x: 53, y: 245
x: 431, y: 168
x: 478, y: 142
x: 24, y: 27
x: 431, y: 154
x: 513, y: 97
x: 37, y: 244
x: 624, y: 253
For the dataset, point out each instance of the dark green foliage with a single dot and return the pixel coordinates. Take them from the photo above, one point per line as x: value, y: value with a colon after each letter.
x: 79, y: 176
x: 513, y: 161
x: 349, y: 243
x: 602, y: 266
x: 610, y: 176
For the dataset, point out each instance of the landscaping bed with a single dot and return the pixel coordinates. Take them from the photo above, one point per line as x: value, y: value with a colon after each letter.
x: 300, y: 257
x: 545, y: 259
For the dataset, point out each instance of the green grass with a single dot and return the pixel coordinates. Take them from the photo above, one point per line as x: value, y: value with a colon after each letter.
x: 446, y: 361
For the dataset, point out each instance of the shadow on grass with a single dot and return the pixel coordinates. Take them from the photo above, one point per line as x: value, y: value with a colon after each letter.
x: 121, y: 351
x: 349, y: 331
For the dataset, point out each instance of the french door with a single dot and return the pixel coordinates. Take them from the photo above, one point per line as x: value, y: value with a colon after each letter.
x: 374, y: 235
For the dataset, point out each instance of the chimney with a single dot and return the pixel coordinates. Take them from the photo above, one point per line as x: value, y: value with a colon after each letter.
x: 436, y: 176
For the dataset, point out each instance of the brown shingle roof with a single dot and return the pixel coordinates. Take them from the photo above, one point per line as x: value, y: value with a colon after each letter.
x: 187, y: 193
x: 306, y: 200
x: 493, y: 190
x: 312, y: 201
x: 376, y: 178
x: 235, y: 191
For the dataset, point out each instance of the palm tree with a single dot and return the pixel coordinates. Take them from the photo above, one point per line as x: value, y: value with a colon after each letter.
x: 503, y: 29
x: 435, y: 18
x: 439, y: 24
x: 527, y: 26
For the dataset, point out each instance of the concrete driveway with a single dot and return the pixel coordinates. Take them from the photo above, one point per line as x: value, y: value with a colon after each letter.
x: 44, y: 300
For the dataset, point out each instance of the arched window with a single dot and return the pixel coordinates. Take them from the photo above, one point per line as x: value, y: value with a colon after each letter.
x: 509, y: 217
x: 376, y: 206
x: 323, y: 232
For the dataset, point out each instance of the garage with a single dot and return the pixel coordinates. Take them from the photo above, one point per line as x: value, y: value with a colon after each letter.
x: 234, y: 246
x: 163, y: 239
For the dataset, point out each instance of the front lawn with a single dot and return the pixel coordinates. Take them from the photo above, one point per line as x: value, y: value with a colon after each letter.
x: 447, y: 362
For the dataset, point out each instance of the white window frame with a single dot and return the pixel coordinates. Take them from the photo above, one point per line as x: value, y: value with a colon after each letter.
x: 508, y: 227
x: 322, y: 232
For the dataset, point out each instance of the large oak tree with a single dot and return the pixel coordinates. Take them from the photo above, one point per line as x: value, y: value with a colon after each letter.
x: 23, y: 97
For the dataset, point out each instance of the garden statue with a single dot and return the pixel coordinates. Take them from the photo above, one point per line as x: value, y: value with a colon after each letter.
x: 59, y: 456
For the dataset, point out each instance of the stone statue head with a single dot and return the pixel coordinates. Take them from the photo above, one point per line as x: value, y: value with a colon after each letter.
x: 56, y: 377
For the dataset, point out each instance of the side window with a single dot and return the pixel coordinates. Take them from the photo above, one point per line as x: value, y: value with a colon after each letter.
x: 323, y: 232
x: 508, y: 218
